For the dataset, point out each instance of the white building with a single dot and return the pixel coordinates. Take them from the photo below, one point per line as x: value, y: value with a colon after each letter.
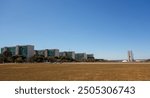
x: 130, y: 56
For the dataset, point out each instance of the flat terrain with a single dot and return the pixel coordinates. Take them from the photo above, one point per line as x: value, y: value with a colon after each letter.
x: 76, y: 71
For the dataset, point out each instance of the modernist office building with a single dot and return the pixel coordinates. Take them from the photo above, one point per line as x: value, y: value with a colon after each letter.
x: 62, y: 54
x: 26, y: 50
x: 80, y: 56
x: 52, y: 52
x: 69, y: 54
x: 48, y: 52
x: 90, y: 56
x: 39, y: 52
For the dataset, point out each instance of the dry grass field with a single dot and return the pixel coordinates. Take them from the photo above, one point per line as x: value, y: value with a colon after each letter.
x: 67, y: 72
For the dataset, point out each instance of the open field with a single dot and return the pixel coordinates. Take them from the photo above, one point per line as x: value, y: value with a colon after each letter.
x: 75, y: 71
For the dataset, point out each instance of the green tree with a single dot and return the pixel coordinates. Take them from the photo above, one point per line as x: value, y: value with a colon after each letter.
x: 7, y: 55
x: 52, y: 59
x: 37, y: 58
x: 1, y: 58
x: 19, y: 59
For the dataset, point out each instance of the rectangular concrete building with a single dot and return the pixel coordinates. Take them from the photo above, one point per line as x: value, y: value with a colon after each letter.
x: 62, y: 54
x: 48, y: 52
x: 52, y: 52
x: 90, y: 56
x: 23, y: 50
x: 80, y: 56
x: 39, y: 52
x: 68, y: 54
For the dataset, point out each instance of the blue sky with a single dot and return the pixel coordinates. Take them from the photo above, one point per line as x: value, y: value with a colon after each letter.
x: 107, y: 28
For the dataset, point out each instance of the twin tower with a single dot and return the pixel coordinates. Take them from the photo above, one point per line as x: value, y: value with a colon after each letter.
x: 130, y: 56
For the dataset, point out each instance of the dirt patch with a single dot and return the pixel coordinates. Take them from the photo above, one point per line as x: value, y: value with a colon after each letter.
x: 68, y: 72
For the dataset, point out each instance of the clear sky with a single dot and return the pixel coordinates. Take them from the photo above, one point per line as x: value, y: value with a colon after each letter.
x: 107, y: 28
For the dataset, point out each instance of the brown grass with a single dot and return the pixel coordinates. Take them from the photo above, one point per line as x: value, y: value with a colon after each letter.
x: 101, y: 71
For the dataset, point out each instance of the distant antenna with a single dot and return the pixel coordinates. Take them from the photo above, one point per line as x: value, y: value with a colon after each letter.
x: 130, y: 56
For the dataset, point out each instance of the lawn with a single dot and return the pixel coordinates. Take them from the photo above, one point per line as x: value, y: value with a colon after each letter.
x: 75, y: 71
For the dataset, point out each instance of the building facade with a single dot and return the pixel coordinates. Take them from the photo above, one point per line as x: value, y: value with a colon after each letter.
x: 62, y: 54
x: 80, y: 56
x: 52, y: 53
x: 130, y: 56
x: 26, y: 50
x: 39, y: 52
x: 48, y: 52
x: 68, y: 54
x: 89, y: 56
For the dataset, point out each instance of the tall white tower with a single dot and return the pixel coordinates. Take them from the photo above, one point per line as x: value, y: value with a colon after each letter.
x: 130, y: 56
